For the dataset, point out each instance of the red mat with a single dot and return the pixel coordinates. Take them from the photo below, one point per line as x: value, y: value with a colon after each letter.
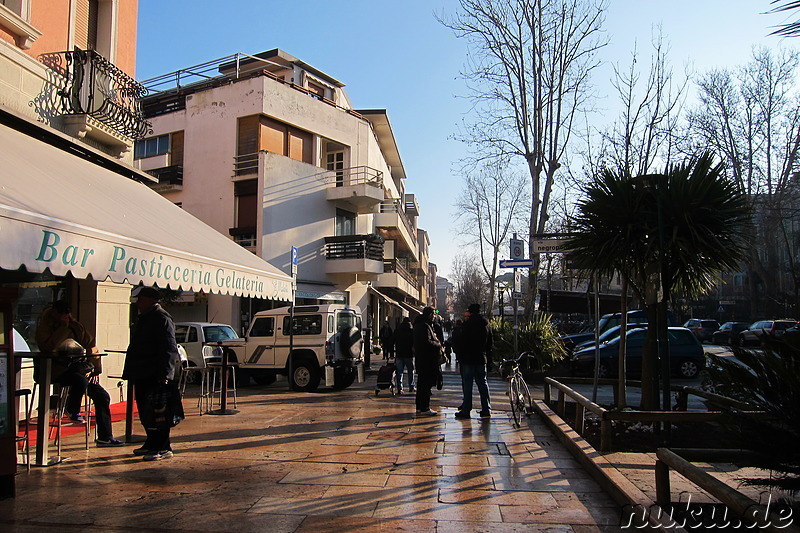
x: 117, y: 415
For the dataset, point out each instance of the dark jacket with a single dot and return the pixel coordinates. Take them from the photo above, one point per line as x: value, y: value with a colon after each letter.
x: 426, y: 346
x: 404, y: 340
x: 153, y: 352
x: 476, y: 341
x: 456, y: 341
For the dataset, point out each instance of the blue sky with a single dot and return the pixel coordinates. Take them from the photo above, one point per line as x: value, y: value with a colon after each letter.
x: 396, y: 56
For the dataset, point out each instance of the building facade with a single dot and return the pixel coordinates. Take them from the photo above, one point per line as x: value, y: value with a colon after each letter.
x: 269, y: 150
x: 79, y: 222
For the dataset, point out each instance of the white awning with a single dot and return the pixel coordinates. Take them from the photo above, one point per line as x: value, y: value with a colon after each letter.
x: 65, y: 214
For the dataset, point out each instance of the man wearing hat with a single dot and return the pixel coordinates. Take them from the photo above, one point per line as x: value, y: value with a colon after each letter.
x: 476, y: 350
x: 151, y: 363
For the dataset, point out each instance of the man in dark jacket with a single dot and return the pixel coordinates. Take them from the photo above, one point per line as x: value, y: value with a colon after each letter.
x: 475, y: 347
x: 151, y: 363
x: 426, y: 356
x: 404, y: 354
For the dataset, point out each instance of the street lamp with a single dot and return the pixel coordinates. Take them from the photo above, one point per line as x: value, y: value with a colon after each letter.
x: 653, y: 183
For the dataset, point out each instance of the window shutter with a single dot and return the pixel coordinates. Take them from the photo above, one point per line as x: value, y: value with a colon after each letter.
x: 86, y: 15
x: 176, y: 151
x: 273, y: 136
x: 248, y: 135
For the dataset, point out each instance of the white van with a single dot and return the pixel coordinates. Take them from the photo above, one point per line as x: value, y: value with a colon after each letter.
x: 325, y: 340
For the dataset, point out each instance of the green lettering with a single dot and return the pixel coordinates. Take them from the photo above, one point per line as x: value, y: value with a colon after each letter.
x: 48, y: 251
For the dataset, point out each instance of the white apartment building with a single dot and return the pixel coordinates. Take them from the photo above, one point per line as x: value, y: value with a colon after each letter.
x: 270, y: 150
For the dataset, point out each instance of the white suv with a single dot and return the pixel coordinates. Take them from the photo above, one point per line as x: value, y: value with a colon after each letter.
x: 323, y: 340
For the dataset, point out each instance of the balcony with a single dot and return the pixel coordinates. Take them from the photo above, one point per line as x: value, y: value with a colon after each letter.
x: 360, y: 187
x: 393, y: 223
x: 97, y: 99
x: 397, y: 276
x: 170, y: 179
x: 354, y: 254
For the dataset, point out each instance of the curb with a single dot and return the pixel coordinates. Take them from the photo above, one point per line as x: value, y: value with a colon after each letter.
x: 635, y: 503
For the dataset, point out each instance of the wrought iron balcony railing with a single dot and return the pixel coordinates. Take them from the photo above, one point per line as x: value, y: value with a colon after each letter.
x: 354, y: 247
x: 91, y: 85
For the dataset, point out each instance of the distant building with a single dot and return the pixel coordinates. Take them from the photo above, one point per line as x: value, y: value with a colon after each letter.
x: 269, y: 150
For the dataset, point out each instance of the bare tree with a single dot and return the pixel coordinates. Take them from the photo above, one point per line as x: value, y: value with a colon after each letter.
x: 470, y: 285
x: 750, y: 117
x: 645, y: 135
x: 528, y: 76
x: 488, y: 208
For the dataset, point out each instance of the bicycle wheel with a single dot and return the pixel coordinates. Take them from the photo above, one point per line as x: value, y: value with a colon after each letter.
x: 514, y: 398
x: 526, y: 403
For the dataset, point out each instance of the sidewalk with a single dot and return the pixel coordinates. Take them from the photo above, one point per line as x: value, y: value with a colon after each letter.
x: 327, y: 461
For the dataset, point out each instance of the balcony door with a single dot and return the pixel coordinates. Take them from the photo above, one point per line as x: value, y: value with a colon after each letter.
x: 345, y: 223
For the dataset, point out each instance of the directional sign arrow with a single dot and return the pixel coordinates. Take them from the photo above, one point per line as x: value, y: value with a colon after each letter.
x: 516, y: 263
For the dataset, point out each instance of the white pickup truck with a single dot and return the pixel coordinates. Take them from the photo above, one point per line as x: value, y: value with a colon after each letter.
x: 324, y: 340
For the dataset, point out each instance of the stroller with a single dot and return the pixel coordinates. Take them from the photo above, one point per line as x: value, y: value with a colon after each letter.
x: 386, y: 378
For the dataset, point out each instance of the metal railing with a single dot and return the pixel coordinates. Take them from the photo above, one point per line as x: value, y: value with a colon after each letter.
x: 91, y: 85
x: 245, y: 164
x: 171, y: 175
x: 354, y: 247
x: 393, y: 266
x: 348, y: 177
x: 396, y: 206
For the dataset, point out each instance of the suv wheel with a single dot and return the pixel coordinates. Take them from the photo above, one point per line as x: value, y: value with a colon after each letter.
x: 688, y: 368
x: 344, y: 378
x: 305, y: 375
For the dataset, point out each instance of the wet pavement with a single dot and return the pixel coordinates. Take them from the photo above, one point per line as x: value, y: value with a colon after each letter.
x: 327, y: 461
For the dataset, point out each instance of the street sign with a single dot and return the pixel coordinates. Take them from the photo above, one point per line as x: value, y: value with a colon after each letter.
x: 294, y: 260
x: 518, y: 281
x: 727, y: 302
x: 516, y: 263
x: 541, y: 246
x: 516, y: 295
x: 517, y: 249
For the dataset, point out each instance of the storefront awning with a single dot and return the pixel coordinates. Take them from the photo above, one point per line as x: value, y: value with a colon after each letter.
x: 319, y: 292
x: 386, y: 299
x: 65, y: 214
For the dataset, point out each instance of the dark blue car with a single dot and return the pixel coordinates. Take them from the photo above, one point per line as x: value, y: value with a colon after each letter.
x: 686, y: 355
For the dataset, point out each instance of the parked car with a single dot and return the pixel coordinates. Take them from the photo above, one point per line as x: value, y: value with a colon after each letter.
x: 775, y: 328
x: 702, y: 328
x: 318, y: 341
x: 192, y: 336
x: 686, y: 354
x: 728, y: 333
x: 605, y: 323
x: 606, y: 336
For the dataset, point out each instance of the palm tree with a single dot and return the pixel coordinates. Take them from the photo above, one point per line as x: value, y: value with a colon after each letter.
x: 791, y: 29
x: 687, y: 225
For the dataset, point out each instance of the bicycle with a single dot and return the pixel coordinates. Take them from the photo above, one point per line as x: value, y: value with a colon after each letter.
x: 518, y: 393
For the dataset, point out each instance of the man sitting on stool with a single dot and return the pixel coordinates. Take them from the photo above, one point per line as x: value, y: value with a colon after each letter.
x: 56, y: 328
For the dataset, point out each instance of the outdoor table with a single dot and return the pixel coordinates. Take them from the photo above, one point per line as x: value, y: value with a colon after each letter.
x: 223, y: 407
x: 44, y: 360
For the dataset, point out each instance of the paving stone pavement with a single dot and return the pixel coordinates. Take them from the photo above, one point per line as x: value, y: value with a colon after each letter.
x: 326, y: 461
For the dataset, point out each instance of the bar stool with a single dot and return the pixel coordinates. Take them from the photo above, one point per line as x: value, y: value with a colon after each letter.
x: 187, y: 370
x: 212, y: 356
x: 26, y: 437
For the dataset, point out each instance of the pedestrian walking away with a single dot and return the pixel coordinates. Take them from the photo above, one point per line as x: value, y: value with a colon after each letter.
x: 386, y: 337
x: 58, y: 333
x: 404, y: 355
x: 474, y: 349
x: 426, y: 358
x: 151, y: 362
